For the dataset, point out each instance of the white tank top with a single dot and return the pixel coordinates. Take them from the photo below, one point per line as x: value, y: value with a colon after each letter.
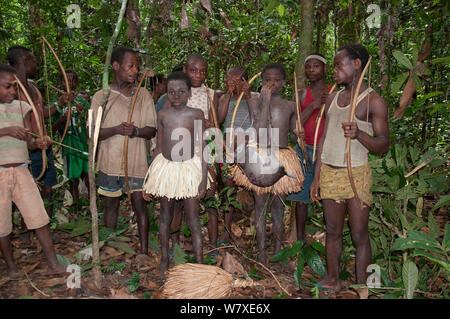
x: 335, y: 144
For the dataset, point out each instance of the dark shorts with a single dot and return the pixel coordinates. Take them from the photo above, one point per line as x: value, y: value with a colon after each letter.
x: 115, y: 186
x: 49, y: 178
x: 303, y: 195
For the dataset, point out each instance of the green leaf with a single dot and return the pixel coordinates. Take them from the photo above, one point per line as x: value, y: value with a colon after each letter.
x: 319, y: 247
x: 280, y: 10
x: 313, y: 260
x: 395, y: 87
x: 272, y: 4
x: 419, y: 207
x: 446, y: 240
x: 121, y: 246
x: 299, y: 271
x: 410, y: 276
x: 402, y: 59
x: 282, y: 255
x: 63, y: 260
x: 179, y: 256
x: 417, y: 81
x: 296, y: 248
x: 419, y: 240
x: 81, y: 229
x: 444, y: 201
x: 433, y: 226
x: 433, y: 258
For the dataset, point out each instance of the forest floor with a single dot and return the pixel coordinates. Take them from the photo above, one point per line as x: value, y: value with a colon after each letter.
x: 128, y: 275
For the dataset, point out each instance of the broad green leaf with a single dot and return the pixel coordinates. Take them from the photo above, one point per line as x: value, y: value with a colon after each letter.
x: 395, y: 87
x: 121, y: 246
x: 282, y: 255
x: 433, y: 258
x: 81, y: 229
x: 433, y: 226
x: 410, y: 276
x: 296, y: 248
x: 419, y: 240
x: 402, y: 59
x: 443, y: 60
x: 179, y: 257
x: 313, y: 260
x: 444, y: 201
x: 319, y: 247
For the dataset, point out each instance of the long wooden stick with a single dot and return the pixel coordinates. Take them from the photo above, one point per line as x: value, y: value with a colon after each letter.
x: 213, y: 110
x: 350, y: 119
x: 127, y: 138
x: 39, y: 125
x: 318, y: 119
x: 301, y: 142
x: 91, y: 170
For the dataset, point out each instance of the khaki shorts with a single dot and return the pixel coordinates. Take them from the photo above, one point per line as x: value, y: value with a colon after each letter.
x: 18, y: 186
x: 335, y: 184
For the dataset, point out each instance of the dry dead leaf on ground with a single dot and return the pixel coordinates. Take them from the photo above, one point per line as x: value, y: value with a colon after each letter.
x: 121, y: 294
x: 232, y: 265
x: 52, y: 282
x: 237, y: 231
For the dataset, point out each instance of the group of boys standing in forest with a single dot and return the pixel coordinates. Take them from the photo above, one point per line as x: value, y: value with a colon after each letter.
x: 179, y: 174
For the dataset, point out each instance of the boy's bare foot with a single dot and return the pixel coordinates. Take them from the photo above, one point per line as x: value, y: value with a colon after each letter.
x: 334, y: 284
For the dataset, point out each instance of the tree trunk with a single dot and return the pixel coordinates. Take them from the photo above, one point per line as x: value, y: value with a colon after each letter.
x: 305, y: 40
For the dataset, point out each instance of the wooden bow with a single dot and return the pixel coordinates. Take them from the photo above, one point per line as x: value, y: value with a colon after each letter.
x: 127, y: 138
x: 318, y: 119
x: 213, y: 110
x: 350, y: 119
x: 237, y: 106
x: 69, y: 106
x: 301, y: 142
x: 39, y: 125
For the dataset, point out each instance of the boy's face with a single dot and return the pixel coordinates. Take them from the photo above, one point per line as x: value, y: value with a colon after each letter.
x: 273, y: 78
x: 7, y: 87
x: 178, y: 93
x: 196, y: 70
x: 128, y: 70
x: 344, y: 67
x: 315, y: 69
x: 232, y: 77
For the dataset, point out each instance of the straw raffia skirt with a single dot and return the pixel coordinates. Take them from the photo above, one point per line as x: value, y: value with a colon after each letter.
x: 174, y: 180
x: 290, y: 183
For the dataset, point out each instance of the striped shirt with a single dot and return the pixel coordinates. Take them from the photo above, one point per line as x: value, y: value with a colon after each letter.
x: 13, y: 150
x: 242, y: 119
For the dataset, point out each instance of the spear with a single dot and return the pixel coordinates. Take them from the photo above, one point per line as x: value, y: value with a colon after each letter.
x: 91, y: 172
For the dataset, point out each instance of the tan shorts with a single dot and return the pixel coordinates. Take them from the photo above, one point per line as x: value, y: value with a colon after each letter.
x: 335, y: 184
x: 17, y: 185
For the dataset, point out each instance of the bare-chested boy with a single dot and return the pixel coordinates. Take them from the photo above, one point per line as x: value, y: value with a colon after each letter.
x: 178, y: 171
x: 196, y: 68
x: 368, y: 132
x: 17, y: 183
x: 273, y: 114
x: 114, y: 128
